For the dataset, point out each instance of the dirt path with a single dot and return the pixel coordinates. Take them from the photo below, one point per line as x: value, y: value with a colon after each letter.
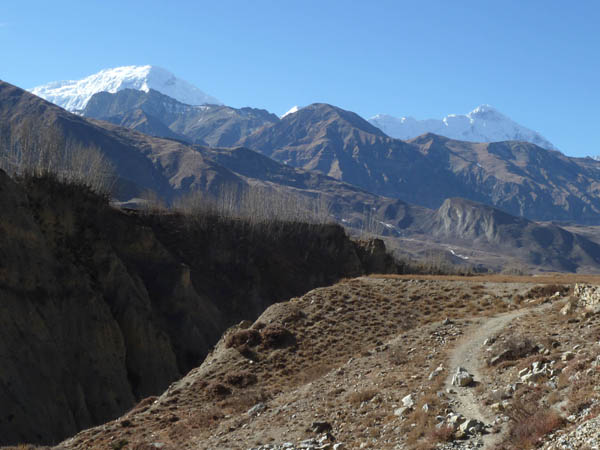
x: 467, y: 354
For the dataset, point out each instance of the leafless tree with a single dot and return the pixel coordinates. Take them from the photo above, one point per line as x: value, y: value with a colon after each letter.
x: 28, y: 149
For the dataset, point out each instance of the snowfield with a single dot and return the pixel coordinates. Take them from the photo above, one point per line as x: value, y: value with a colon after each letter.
x: 73, y: 95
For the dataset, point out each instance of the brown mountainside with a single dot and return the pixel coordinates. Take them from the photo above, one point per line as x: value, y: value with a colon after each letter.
x: 103, y: 307
x: 518, y: 177
x: 159, y: 115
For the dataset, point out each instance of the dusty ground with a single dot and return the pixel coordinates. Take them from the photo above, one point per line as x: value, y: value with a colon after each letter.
x: 346, y: 356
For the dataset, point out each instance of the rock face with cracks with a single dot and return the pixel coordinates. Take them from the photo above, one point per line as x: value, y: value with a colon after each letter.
x: 102, y: 307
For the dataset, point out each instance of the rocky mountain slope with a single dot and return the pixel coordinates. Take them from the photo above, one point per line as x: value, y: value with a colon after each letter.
x: 483, y: 124
x: 103, y: 307
x: 157, y: 114
x: 479, y: 226
x: 371, y: 363
x: 518, y: 177
x: 73, y: 95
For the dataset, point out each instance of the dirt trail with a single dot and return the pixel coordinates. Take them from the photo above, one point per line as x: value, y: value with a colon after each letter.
x: 467, y: 354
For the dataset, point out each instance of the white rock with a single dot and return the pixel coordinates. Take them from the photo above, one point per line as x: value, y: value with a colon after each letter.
x: 400, y: 412
x: 409, y: 401
x: 462, y: 378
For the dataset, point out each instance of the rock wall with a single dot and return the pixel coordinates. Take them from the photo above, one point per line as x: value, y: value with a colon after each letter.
x: 100, y: 307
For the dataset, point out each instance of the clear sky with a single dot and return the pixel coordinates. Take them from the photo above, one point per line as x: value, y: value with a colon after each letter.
x: 536, y: 61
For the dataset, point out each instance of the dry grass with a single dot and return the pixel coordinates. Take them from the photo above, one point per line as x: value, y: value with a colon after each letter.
x: 356, y: 398
x: 445, y: 433
x: 359, y: 347
x: 529, y: 427
x: 551, y: 278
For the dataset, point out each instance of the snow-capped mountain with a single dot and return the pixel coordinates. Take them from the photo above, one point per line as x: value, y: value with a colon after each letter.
x: 292, y: 110
x: 483, y: 124
x: 73, y: 95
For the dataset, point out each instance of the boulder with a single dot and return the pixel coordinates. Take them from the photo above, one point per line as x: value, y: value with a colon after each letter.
x: 409, y: 401
x: 462, y: 378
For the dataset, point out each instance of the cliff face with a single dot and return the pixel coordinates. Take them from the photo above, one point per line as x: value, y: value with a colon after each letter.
x: 101, y: 307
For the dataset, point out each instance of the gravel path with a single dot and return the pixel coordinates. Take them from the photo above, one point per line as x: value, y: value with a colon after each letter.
x: 467, y: 354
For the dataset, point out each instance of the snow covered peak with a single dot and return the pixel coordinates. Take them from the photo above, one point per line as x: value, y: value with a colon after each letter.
x: 292, y: 110
x: 73, y: 95
x: 483, y: 124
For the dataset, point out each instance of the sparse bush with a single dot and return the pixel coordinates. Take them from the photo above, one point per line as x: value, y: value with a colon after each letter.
x: 445, y: 433
x: 241, y: 379
x: 530, y: 424
x: 356, y: 398
x: 216, y: 389
x: 397, y: 357
x: 547, y: 290
x: 241, y: 338
x: 275, y: 336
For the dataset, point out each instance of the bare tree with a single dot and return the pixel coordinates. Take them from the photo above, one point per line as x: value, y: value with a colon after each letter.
x: 27, y: 149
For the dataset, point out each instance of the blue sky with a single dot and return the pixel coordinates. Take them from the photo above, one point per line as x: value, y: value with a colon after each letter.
x: 536, y: 61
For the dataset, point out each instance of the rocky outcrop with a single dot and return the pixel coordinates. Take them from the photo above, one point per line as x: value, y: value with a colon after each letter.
x: 588, y: 296
x: 101, y: 307
x: 481, y: 226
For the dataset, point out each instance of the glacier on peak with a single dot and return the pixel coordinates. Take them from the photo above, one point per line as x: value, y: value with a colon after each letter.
x: 292, y: 110
x: 73, y: 95
x: 484, y: 124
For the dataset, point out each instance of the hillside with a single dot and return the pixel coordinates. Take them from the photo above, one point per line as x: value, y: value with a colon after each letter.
x: 518, y: 177
x: 156, y: 114
x: 370, y: 363
x: 103, y: 307
x: 544, y: 245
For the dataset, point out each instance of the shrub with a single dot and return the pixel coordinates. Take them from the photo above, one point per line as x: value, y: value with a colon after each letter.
x: 218, y: 390
x: 241, y: 338
x: 529, y: 428
x: 445, y: 433
x: 547, y: 290
x: 240, y: 379
x: 275, y: 336
x: 356, y: 398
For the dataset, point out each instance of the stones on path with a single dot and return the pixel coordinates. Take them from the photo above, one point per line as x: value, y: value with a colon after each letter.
x: 462, y: 378
x: 463, y: 427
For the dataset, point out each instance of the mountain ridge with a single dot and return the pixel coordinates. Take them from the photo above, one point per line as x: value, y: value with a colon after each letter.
x: 482, y: 124
x: 519, y: 177
x: 159, y: 115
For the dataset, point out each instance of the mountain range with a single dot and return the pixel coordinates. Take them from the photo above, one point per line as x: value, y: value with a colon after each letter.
x: 518, y: 177
x: 331, y: 147
x: 483, y: 124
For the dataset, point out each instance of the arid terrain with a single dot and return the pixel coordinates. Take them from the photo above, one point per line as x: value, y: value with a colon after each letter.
x: 388, y: 362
